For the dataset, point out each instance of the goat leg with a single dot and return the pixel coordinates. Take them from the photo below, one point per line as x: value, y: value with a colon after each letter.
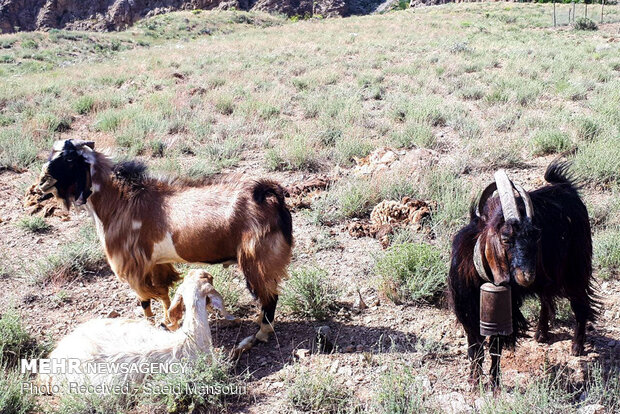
x: 146, y: 308
x: 475, y: 351
x: 267, y: 318
x: 546, y: 310
x: 496, y: 353
x: 581, y: 311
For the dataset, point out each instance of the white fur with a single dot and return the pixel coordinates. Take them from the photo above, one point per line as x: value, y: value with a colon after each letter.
x: 136, y: 224
x: 165, y: 252
x: 135, y: 342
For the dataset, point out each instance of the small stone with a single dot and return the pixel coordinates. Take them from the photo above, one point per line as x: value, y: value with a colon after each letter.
x: 453, y: 403
x: 325, y: 330
x: 113, y: 314
x: 359, y: 348
x: 348, y: 349
x: 592, y: 409
x: 359, y: 303
x: 302, y: 353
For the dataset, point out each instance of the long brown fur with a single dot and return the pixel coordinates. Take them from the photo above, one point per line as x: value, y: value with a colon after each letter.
x: 213, y: 221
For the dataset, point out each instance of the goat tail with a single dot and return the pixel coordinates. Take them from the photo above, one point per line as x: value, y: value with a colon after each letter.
x: 559, y: 172
x: 265, y: 188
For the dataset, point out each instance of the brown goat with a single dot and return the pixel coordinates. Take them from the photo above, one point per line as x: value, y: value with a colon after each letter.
x: 145, y: 224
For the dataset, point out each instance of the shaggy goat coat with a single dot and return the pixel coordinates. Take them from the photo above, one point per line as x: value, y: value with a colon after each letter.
x: 138, y: 342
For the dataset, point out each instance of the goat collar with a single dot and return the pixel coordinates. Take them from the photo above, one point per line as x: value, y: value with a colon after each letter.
x: 482, y: 272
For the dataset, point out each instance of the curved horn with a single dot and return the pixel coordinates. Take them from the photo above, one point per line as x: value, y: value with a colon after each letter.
x: 529, y: 207
x: 79, y: 143
x: 488, y: 192
x: 506, y: 196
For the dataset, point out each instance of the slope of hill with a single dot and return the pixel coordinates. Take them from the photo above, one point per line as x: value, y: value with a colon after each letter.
x: 422, y: 103
x: 108, y: 15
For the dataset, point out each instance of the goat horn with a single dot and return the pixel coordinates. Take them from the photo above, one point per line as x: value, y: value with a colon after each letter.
x: 79, y: 143
x: 506, y: 196
x: 529, y: 207
x: 488, y: 192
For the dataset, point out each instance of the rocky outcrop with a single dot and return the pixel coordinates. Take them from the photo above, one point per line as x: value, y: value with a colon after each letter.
x: 16, y: 15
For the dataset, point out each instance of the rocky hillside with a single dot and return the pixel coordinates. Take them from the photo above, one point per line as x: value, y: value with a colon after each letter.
x: 106, y: 15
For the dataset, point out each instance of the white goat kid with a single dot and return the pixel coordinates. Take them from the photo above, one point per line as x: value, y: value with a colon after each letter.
x: 136, y: 344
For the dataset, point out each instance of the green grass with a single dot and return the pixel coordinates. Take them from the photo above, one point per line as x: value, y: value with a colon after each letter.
x: 415, y: 135
x: 549, y: 142
x: 17, y: 150
x: 33, y: 224
x: 555, y: 392
x: 15, y: 341
x: 607, y: 252
x: 411, y: 272
x: 73, y: 259
x: 316, y: 390
x: 84, y: 104
x: 205, y: 371
x: 308, y: 293
x: 12, y: 399
x: 400, y: 391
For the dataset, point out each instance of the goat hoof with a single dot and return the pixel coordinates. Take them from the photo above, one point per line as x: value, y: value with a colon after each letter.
x: 244, y: 345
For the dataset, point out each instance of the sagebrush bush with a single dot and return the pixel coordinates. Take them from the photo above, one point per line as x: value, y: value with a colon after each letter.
x: 316, y: 390
x: 599, y: 161
x: 414, y: 135
x: 33, y: 224
x: 15, y: 341
x: 549, y: 142
x: 411, y: 272
x: 13, y: 400
x: 72, y: 260
x: 607, y: 251
x: 400, y: 391
x: 584, y: 23
x: 17, y: 149
x: 84, y: 104
x: 308, y: 293
x: 206, y: 372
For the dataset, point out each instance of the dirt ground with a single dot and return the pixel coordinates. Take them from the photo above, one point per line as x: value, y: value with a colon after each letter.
x: 367, y: 342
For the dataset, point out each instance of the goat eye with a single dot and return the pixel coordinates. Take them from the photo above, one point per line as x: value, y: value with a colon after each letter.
x: 505, y: 239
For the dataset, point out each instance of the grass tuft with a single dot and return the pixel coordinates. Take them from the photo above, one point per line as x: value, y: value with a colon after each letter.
x: 549, y: 142
x: 309, y: 294
x: 316, y: 390
x: 33, y: 224
x: 411, y: 272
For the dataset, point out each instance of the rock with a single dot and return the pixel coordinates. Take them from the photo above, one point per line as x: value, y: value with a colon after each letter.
x: 113, y: 314
x: 106, y: 15
x: 592, y: 409
x: 452, y: 403
x: 359, y: 302
x: 302, y: 353
x: 321, y: 342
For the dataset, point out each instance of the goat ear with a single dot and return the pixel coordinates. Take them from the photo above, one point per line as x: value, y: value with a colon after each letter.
x: 215, y: 300
x: 497, y: 259
x: 175, y: 313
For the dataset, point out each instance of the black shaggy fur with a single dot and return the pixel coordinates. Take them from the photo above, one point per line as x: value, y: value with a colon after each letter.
x: 563, y: 265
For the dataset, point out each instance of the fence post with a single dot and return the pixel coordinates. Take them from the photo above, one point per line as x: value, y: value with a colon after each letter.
x: 602, y: 7
x: 574, y: 10
x: 554, y: 24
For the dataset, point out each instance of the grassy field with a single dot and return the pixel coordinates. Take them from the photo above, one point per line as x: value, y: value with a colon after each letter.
x: 480, y: 86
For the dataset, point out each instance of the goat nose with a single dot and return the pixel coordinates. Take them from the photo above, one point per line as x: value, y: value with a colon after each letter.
x: 524, y: 278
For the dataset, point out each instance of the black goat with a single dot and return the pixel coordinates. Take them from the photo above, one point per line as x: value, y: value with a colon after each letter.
x: 540, y: 246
